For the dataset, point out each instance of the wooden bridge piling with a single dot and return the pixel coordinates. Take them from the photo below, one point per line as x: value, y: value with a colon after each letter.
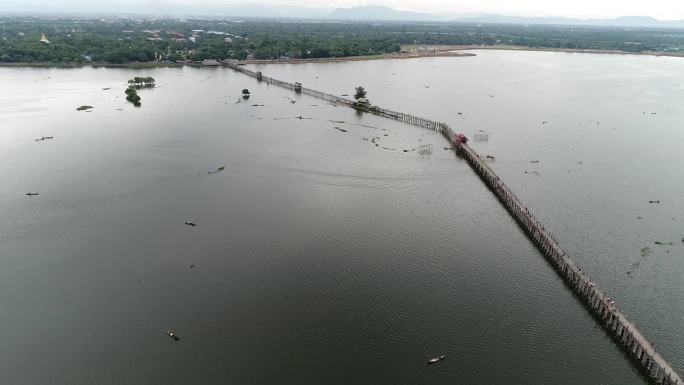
x: 624, y: 333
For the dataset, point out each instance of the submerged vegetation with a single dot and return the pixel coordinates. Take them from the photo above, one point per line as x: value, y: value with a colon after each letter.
x: 119, y: 40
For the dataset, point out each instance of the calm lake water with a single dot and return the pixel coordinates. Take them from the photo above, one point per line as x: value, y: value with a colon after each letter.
x: 318, y: 256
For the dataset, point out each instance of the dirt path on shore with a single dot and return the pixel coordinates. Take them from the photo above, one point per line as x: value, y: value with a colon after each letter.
x: 447, y: 48
x: 435, y: 53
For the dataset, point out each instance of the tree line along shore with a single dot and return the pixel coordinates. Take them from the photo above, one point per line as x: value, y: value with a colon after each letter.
x: 452, y: 51
x: 63, y: 41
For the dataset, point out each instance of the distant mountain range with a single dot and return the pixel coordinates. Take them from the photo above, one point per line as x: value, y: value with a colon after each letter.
x: 624, y: 21
x: 380, y: 13
x: 254, y: 10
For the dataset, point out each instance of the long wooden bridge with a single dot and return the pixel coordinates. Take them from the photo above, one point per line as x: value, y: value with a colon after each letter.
x: 624, y: 332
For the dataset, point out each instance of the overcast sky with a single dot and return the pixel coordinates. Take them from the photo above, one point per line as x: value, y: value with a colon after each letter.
x: 661, y: 9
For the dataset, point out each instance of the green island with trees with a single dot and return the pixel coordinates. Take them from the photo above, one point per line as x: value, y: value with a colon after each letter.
x: 136, y: 84
x: 121, y: 41
x: 141, y: 82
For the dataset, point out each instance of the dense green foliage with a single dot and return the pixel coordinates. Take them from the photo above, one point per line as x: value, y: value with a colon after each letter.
x: 116, y: 40
x: 141, y: 82
x: 132, y: 96
x: 135, y: 84
x: 359, y: 93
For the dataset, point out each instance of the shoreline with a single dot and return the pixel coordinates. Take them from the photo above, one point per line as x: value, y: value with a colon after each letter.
x: 446, y: 48
x: 437, y: 53
x: 98, y: 65
x: 431, y: 51
x: 143, y: 65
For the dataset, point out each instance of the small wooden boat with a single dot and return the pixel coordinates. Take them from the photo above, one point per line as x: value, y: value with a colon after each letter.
x: 173, y: 335
x: 31, y: 194
x: 435, y: 360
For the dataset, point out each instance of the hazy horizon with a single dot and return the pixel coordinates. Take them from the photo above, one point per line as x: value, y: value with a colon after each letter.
x: 583, y: 9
